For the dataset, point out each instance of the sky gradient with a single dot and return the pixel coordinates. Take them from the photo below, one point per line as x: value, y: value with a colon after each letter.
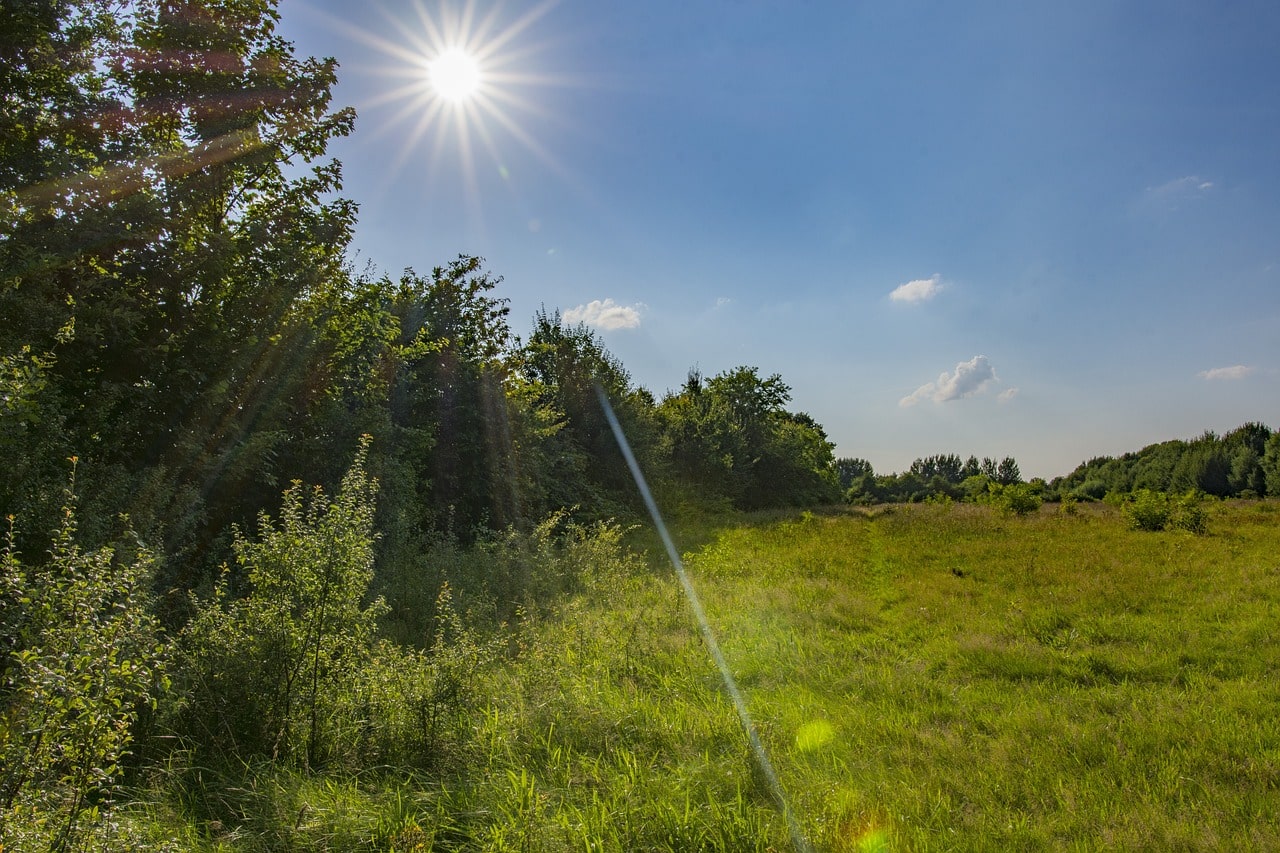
x: 1050, y: 231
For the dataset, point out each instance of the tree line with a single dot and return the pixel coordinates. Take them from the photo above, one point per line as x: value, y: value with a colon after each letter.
x: 1242, y: 463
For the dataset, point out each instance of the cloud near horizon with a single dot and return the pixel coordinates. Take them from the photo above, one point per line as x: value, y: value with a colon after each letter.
x: 1235, y: 371
x: 607, y: 315
x: 919, y: 290
x: 970, y: 378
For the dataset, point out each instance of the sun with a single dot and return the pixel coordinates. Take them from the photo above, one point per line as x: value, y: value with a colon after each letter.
x: 460, y: 83
x: 455, y: 75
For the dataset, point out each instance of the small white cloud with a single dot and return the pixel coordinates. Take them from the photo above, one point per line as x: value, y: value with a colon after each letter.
x: 1171, y: 193
x: 1007, y: 394
x: 920, y: 290
x: 970, y: 378
x: 722, y: 302
x: 1235, y: 371
x: 605, y: 315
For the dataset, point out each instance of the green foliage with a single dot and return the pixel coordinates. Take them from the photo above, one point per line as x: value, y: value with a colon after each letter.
x: 1224, y: 466
x: 731, y: 435
x: 1148, y: 510
x: 1189, y: 514
x: 1017, y: 498
x: 155, y: 189
x: 267, y: 673
x: 1270, y: 464
x: 849, y: 470
x: 408, y: 707
x: 81, y: 658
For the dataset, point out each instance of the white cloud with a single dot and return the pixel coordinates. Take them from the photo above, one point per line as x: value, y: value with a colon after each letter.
x: 1172, y: 192
x: 1235, y: 371
x: 970, y: 378
x: 723, y: 301
x: 605, y: 315
x: 919, y: 290
x: 1007, y: 395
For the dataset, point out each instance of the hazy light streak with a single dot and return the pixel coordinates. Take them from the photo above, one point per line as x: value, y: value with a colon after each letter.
x: 708, y: 637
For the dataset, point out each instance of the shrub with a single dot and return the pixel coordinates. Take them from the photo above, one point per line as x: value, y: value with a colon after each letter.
x: 1019, y: 499
x: 1147, y: 510
x: 263, y: 675
x: 1150, y: 510
x: 1188, y: 514
x: 410, y: 703
x: 80, y: 659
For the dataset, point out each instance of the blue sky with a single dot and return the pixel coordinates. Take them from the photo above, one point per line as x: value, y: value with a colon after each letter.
x: 1046, y: 230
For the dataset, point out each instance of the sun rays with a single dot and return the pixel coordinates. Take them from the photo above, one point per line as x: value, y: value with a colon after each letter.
x: 461, y: 88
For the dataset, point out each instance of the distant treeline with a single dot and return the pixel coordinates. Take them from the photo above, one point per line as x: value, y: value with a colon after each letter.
x: 1242, y: 463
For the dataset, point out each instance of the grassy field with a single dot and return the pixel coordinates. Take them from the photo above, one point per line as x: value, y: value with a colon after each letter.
x: 923, y: 678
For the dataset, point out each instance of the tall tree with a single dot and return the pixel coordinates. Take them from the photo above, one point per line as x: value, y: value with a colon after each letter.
x: 158, y: 193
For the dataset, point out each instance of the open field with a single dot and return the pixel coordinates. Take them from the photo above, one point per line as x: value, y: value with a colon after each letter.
x: 923, y: 677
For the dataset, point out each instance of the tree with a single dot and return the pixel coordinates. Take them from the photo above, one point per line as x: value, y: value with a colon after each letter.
x: 1271, y: 464
x: 1007, y: 472
x: 733, y: 435
x: 154, y: 187
x: 848, y: 470
x: 946, y: 467
x: 562, y: 366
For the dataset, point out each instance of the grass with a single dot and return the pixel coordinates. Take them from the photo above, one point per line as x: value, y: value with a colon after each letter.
x: 924, y: 678
x: 992, y: 683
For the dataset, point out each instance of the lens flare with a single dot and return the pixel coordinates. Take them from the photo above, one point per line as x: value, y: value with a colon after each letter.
x: 765, y: 766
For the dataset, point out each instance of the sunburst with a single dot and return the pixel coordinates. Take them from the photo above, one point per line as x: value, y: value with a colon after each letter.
x: 459, y: 82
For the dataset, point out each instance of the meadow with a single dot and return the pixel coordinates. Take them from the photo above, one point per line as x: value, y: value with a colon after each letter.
x: 923, y: 677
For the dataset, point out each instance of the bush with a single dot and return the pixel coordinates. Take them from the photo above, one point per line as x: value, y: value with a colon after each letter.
x: 1019, y: 499
x: 264, y: 675
x: 1147, y: 510
x: 1188, y: 514
x: 80, y: 659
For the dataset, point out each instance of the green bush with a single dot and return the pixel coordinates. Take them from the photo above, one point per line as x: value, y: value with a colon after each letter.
x: 1147, y: 510
x: 80, y: 658
x: 1019, y: 499
x: 1189, y: 514
x: 410, y: 705
x: 265, y: 675
x: 1150, y: 510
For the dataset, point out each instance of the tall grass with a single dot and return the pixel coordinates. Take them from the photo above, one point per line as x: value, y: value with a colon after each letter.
x: 926, y: 678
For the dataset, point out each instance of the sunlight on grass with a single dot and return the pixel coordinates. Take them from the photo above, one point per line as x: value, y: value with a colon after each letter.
x: 929, y: 678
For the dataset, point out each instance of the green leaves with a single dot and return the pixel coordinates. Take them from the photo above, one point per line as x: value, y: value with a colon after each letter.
x: 80, y: 657
x: 732, y: 435
x: 262, y: 674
